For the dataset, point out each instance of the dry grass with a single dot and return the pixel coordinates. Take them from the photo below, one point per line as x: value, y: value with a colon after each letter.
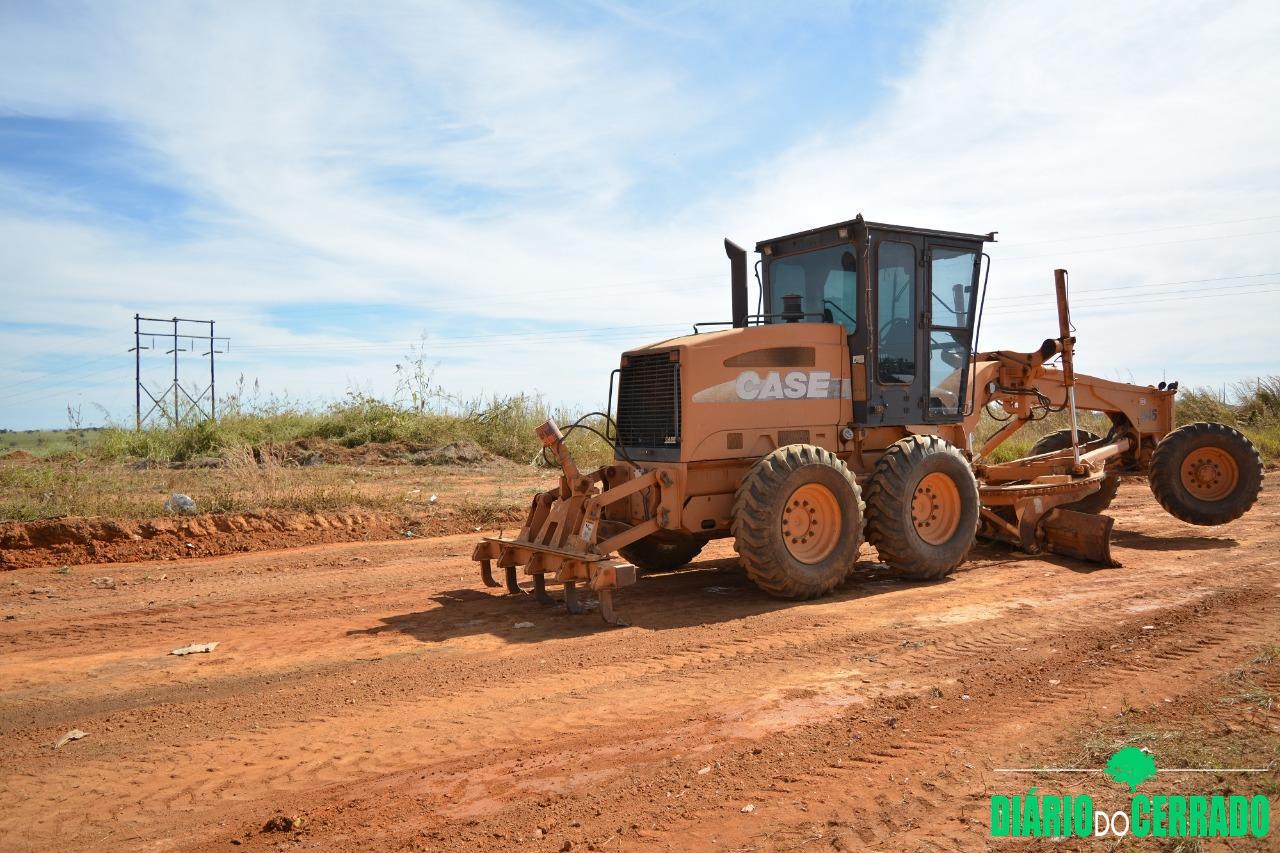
x: 1255, y: 412
x: 84, y: 487
x: 43, y: 442
x: 90, y: 478
x: 502, y: 425
x: 1229, y: 725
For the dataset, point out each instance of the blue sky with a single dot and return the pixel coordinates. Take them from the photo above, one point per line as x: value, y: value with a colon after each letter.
x: 535, y: 187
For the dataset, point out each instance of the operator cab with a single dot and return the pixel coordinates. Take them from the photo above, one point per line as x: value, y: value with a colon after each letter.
x: 908, y: 301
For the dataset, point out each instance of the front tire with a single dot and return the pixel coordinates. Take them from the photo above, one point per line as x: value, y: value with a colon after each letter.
x: 922, y: 507
x: 1206, y: 474
x: 797, y: 522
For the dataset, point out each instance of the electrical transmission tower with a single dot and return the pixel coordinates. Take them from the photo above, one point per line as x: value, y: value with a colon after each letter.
x: 175, y: 403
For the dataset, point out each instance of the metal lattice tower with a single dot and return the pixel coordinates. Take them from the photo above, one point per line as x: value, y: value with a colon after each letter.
x: 169, y: 404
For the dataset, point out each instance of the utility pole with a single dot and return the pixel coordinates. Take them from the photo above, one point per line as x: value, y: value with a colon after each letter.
x: 203, y: 404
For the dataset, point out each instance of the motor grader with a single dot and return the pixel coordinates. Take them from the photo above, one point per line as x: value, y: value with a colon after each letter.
x: 847, y: 406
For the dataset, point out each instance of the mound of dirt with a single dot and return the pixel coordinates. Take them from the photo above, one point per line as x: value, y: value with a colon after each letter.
x: 92, y: 540
x: 455, y: 453
x: 17, y: 456
x: 73, y: 541
x: 315, y: 451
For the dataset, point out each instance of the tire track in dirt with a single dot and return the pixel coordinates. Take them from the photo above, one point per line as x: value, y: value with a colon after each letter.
x: 350, y: 690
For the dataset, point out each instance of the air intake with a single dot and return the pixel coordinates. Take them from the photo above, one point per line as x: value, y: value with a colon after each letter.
x: 649, y: 402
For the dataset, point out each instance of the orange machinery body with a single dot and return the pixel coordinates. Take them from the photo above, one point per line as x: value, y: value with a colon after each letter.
x: 746, y: 392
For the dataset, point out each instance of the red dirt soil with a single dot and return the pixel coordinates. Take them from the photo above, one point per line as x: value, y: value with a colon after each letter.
x: 380, y: 694
x: 75, y: 541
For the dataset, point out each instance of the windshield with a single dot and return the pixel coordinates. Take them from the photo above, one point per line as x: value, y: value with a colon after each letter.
x: 826, y: 280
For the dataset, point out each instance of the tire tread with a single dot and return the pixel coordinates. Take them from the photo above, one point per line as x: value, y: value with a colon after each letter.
x: 1165, y: 474
x: 889, y: 488
x: 758, y: 549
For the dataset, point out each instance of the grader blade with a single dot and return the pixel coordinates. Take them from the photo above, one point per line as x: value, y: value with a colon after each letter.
x: 1083, y: 535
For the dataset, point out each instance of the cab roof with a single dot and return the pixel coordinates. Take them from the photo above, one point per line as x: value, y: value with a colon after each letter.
x: 830, y: 234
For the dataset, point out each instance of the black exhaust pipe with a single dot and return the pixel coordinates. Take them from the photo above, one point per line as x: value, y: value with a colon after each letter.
x: 737, y: 281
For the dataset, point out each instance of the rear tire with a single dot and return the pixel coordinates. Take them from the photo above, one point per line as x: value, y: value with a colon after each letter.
x: 922, y: 507
x: 662, y: 553
x: 1099, y: 500
x: 797, y: 522
x: 1206, y: 474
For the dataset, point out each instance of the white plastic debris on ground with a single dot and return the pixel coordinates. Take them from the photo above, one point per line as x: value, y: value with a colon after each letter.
x: 180, y: 504
x: 194, y: 648
x: 74, y: 734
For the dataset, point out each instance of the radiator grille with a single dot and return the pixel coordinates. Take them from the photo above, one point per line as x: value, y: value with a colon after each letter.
x: 649, y: 402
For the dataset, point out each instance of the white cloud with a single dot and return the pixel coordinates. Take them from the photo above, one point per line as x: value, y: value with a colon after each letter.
x: 429, y: 157
x: 1057, y: 122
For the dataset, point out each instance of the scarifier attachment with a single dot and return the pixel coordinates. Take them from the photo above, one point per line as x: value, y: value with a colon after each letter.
x: 560, y: 536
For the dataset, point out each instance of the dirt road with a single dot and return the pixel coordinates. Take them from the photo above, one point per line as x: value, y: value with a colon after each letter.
x: 379, y: 693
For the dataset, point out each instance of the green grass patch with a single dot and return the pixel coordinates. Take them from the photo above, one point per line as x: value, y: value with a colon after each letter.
x: 1252, y: 407
x: 46, y: 442
x: 502, y: 425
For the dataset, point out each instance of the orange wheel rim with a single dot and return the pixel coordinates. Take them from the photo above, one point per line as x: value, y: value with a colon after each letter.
x: 811, y: 523
x: 1209, y: 473
x: 935, y: 508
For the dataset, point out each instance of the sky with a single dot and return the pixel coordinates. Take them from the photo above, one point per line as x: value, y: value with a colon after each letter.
x: 518, y: 192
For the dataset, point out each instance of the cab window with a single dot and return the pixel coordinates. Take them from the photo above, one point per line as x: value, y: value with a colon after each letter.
x: 827, y: 282
x: 951, y: 286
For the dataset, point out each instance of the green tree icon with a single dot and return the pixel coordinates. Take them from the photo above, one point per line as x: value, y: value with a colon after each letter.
x: 1131, y: 766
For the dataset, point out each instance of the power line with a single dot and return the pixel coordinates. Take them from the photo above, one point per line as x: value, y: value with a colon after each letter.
x: 47, y: 373
x: 1140, y: 245
x: 531, y: 336
x: 1116, y: 299
x: 1145, y: 286
x: 1145, y: 231
x: 1155, y: 300
x: 471, y: 300
x: 55, y: 388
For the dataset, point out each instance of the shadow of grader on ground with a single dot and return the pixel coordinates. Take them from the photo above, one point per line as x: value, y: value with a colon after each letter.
x: 706, y: 592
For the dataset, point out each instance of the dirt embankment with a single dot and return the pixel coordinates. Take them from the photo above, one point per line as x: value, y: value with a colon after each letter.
x: 319, y: 451
x: 74, y: 541
x: 372, y: 492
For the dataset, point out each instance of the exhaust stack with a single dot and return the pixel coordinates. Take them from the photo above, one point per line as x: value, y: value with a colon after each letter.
x: 737, y: 281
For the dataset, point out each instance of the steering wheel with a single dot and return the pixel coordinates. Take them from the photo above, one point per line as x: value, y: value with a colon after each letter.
x: 894, y: 325
x: 954, y: 353
x: 852, y: 321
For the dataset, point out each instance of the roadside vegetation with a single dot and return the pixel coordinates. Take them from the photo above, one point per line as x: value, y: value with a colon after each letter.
x: 503, y: 426
x: 1229, y: 722
x: 1251, y: 407
x: 247, y: 461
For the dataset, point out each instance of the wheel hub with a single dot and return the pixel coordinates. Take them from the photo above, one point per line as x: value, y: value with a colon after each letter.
x: 1209, y: 473
x: 935, y: 508
x: 811, y: 522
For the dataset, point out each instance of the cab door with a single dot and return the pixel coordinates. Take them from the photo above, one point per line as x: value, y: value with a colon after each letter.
x: 951, y: 288
x: 895, y: 373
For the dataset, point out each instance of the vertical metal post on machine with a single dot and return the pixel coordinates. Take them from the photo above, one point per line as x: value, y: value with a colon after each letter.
x: 169, y: 403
